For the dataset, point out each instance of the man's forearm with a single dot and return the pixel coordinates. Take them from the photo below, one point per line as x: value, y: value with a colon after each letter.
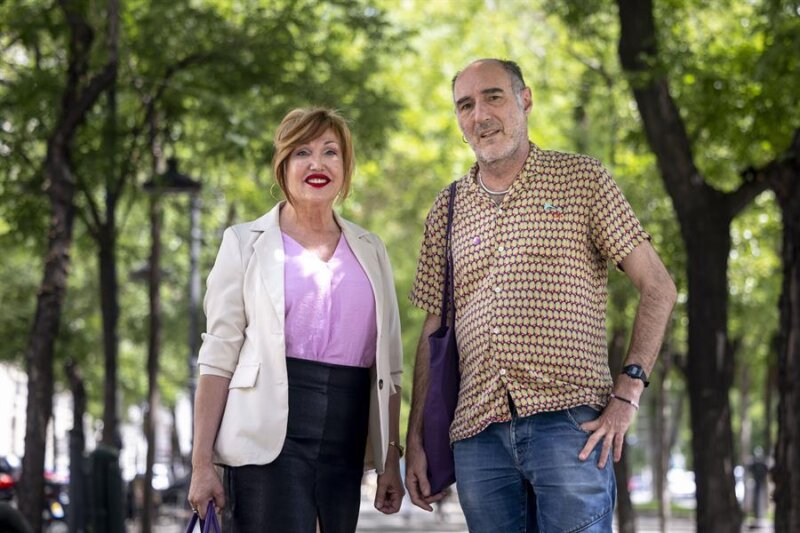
x: 421, y: 380
x: 657, y: 295
x: 652, y: 315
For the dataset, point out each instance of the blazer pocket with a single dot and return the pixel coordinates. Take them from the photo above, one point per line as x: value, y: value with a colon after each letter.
x: 244, y: 376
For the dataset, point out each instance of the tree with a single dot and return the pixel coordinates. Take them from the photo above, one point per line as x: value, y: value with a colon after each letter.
x: 705, y: 212
x: 80, y: 93
x: 784, y: 176
x: 787, y: 459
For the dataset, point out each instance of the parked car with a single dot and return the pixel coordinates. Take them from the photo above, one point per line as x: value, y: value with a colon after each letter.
x: 9, y: 475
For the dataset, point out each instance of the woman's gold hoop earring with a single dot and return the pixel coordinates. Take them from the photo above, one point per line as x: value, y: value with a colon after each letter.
x: 464, y: 140
x: 272, y: 191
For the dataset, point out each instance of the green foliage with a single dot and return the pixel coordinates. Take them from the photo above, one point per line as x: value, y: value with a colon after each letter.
x: 216, y: 76
x: 730, y: 64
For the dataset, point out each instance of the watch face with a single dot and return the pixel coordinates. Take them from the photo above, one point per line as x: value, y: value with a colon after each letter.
x: 636, y: 372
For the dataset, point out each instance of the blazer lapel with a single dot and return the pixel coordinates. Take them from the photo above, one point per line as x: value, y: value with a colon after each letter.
x: 268, y: 249
x: 367, y: 256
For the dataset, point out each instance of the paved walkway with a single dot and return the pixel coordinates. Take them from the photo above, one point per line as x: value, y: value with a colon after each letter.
x: 449, y: 518
x: 446, y: 518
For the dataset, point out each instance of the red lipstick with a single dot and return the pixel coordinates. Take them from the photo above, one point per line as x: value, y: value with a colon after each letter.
x: 317, y: 181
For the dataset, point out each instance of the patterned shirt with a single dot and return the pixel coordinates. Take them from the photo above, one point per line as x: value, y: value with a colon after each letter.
x: 530, y: 286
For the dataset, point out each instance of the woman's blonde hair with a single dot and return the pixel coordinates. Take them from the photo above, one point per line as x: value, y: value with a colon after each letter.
x: 306, y: 124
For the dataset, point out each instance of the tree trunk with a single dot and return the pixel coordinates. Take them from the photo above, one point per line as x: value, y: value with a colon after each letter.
x: 710, y: 372
x: 39, y: 354
x: 786, y: 472
x: 626, y: 516
x: 746, y: 433
x: 78, y: 97
x: 109, y: 285
x: 663, y: 447
x: 77, y: 444
x: 109, y: 294
x: 154, y: 346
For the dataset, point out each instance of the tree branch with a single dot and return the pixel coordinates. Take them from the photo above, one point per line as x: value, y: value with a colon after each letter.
x: 149, y: 102
x: 747, y: 191
x: 780, y: 173
x: 92, y: 226
x: 93, y: 222
x: 664, y: 127
x: 593, y: 65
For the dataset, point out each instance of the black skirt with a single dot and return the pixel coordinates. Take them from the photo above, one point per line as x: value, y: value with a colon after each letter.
x: 318, y: 473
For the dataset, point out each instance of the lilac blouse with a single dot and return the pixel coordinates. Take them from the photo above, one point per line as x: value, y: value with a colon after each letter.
x: 330, y: 307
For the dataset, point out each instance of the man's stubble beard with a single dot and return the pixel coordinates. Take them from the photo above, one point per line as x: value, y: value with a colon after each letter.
x: 519, y: 142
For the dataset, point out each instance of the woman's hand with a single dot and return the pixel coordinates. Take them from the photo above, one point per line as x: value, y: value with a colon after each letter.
x: 205, y: 486
x: 390, y: 491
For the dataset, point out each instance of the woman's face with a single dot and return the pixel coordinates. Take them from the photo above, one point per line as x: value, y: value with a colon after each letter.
x: 315, y: 172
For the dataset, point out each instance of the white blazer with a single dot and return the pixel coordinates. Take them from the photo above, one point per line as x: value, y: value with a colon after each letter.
x: 244, y: 342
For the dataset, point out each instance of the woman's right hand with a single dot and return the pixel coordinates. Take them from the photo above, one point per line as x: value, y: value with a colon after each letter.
x: 205, y: 486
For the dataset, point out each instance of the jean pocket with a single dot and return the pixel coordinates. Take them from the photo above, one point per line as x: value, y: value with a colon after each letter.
x: 582, y: 414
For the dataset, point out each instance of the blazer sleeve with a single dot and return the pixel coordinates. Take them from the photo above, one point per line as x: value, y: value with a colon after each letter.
x: 226, y: 319
x: 392, y: 314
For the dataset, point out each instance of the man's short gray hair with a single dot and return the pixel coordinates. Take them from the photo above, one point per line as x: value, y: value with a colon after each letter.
x: 513, y: 70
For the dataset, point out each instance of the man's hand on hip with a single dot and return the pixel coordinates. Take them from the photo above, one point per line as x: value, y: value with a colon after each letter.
x: 609, y: 430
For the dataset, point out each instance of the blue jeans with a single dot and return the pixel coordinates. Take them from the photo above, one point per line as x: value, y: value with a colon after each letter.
x: 525, y: 476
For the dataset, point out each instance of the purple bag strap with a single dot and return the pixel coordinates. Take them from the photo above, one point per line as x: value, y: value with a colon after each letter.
x: 447, y: 290
x: 209, y: 525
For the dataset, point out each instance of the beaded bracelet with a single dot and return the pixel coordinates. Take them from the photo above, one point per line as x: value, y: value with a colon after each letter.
x: 620, y: 398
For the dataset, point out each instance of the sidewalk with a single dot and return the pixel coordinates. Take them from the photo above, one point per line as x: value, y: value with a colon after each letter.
x: 450, y: 519
x: 411, y: 519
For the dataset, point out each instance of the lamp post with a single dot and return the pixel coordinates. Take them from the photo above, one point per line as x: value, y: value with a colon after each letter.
x: 171, y: 182
x: 174, y: 182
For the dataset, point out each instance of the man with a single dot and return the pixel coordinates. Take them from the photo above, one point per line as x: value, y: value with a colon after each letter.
x: 538, y: 412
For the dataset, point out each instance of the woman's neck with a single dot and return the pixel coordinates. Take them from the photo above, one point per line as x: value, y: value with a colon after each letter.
x: 307, y: 220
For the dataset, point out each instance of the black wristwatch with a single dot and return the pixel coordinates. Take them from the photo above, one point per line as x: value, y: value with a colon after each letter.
x: 635, y: 372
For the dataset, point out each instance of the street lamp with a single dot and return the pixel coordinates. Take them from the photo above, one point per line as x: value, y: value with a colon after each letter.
x: 171, y: 182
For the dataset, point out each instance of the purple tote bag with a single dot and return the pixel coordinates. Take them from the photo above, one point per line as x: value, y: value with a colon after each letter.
x: 444, y: 382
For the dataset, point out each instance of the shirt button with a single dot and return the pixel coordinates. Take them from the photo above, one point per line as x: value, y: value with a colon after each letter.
x: 502, y: 371
x: 497, y: 290
x: 496, y: 330
x: 380, y: 384
x: 501, y: 248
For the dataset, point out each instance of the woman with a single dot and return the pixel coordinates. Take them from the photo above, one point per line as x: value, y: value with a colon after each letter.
x: 300, y: 367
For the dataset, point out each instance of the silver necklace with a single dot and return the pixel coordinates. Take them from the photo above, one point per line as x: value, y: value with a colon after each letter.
x: 489, y: 191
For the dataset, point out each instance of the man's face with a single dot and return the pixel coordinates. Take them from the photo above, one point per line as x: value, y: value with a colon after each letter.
x: 493, y: 119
